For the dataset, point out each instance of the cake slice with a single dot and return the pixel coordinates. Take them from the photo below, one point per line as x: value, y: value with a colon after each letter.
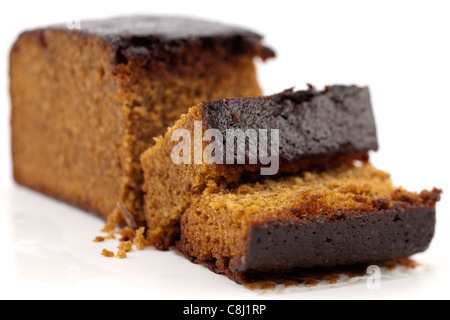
x: 341, y: 216
x: 294, y: 131
x: 87, y: 102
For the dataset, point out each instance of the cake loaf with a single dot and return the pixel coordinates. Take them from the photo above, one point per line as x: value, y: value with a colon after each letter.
x: 87, y: 102
x: 315, y: 129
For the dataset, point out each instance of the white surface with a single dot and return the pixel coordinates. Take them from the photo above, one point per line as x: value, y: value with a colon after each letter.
x: 400, y: 49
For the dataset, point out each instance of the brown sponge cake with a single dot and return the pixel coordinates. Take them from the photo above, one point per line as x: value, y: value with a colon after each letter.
x: 341, y: 216
x: 317, y: 129
x: 87, y: 102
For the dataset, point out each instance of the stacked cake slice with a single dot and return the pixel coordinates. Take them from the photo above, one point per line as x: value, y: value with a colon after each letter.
x: 326, y: 205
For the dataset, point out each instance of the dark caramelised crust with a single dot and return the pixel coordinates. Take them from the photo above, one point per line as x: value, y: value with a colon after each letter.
x: 336, y: 121
x: 151, y: 40
x: 346, y: 240
x: 161, y: 28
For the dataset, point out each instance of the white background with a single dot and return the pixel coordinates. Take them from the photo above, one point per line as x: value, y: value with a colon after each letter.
x: 401, y: 49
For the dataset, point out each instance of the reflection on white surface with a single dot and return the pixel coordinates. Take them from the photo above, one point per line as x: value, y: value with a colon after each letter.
x: 37, y: 252
x: 52, y: 246
x: 49, y: 239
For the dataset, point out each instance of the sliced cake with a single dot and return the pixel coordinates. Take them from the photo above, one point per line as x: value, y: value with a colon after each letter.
x: 347, y: 215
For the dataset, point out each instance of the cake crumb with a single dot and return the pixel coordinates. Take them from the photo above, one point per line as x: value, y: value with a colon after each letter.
x: 139, y: 239
x: 408, y: 263
x: 126, y: 246
x: 311, y: 282
x: 334, y: 278
x: 121, y: 254
x: 99, y: 239
x: 111, y: 235
x: 107, y: 253
x: 265, y: 286
x: 400, y: 262
x: 127, y: 234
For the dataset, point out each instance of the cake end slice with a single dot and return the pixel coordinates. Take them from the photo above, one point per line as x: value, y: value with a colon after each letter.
x: 344, y: 216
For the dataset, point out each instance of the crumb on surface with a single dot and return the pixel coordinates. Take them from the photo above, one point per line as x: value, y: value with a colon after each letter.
x: 139, y: 239
x: 99, y: 239
x: 127, y: 234
x: 111, y: 235
x: 129, y: 238
x: 121, y: 254
x: 107, y: 253
x: 125, y: 246
x: 408, y: 263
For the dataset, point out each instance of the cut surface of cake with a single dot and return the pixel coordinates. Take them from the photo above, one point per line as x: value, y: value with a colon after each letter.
x: 342, y: 216
x: 87, y: 102
x: 315, y: 129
